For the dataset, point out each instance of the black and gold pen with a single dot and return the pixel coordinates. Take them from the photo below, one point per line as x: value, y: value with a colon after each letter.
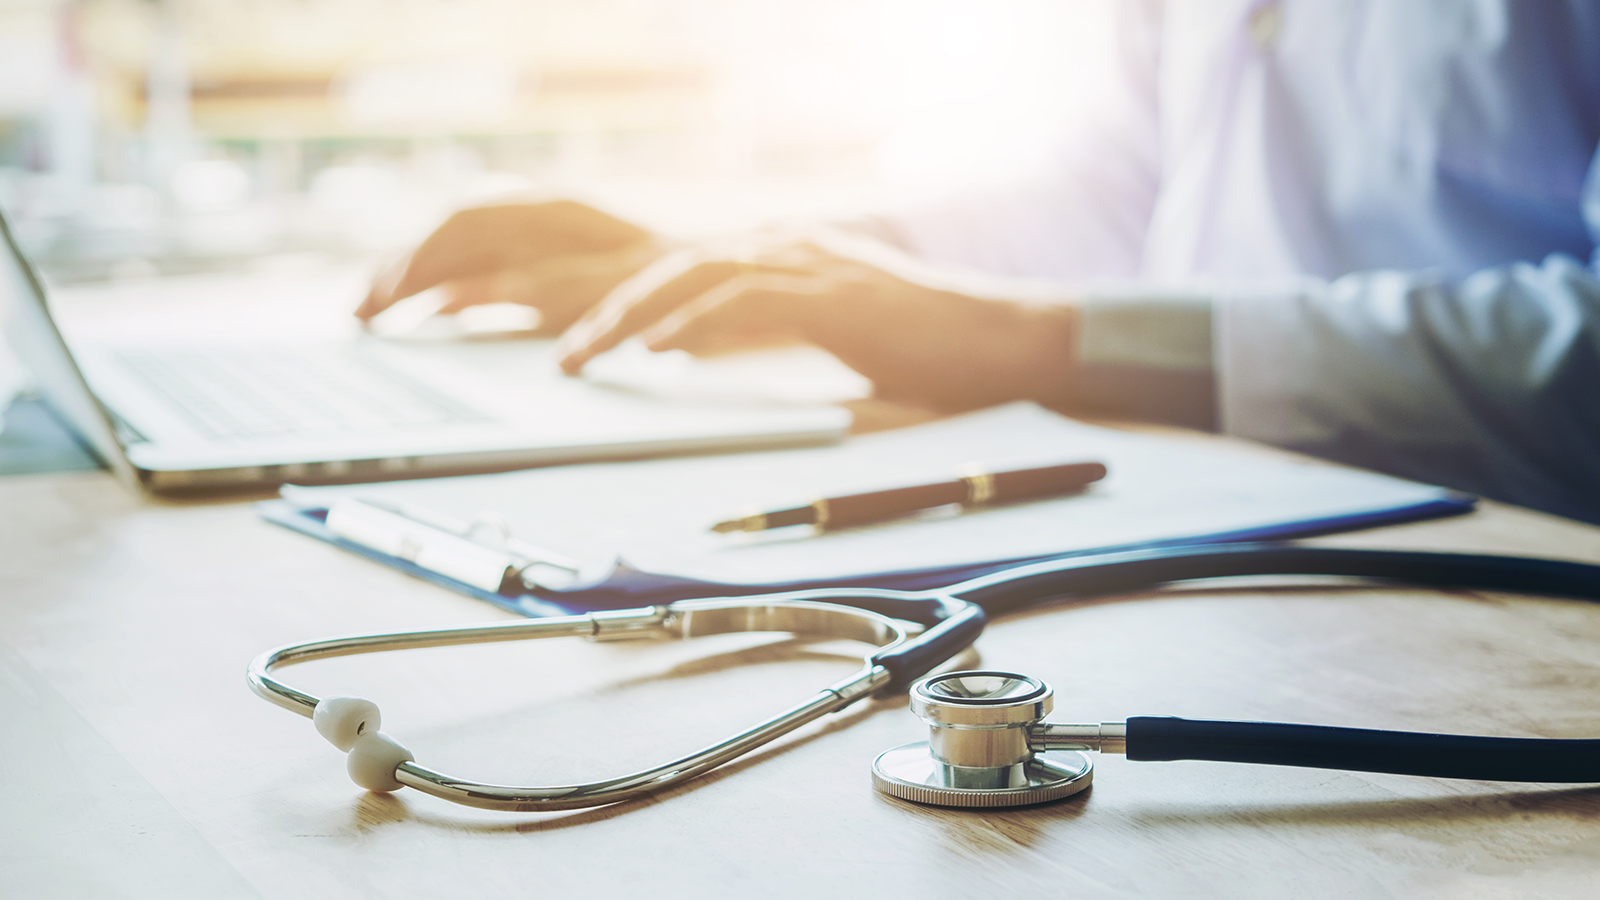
x: 973, y: 488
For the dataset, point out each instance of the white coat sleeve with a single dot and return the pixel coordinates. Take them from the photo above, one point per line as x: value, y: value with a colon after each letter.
x: 1490, y: 385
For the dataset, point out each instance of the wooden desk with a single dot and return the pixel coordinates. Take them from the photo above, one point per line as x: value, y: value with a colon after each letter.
x: 137, y: 763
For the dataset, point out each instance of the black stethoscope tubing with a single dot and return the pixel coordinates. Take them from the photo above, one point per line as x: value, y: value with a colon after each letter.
x: 955, y: 616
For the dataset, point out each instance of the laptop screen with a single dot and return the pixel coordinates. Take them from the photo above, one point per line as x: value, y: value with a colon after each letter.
x: 25, y: 320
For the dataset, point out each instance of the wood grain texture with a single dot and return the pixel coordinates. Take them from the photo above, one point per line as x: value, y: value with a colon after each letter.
x: 132, y: 620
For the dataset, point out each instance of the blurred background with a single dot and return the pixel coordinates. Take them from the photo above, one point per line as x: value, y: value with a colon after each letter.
x: 152, y: 137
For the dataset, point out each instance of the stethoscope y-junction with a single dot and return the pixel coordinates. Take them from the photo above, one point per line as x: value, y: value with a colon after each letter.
x: 989, y: 744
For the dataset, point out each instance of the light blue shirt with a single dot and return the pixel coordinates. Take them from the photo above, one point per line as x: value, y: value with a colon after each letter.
x: 1385, y: 214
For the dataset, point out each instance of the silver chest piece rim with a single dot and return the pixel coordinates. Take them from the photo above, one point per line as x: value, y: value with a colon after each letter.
x: 977, y: 753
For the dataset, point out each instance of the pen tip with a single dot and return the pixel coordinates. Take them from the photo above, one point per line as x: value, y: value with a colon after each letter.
x: 725, y: 527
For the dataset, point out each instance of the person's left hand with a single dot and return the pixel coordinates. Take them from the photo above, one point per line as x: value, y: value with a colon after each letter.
x: 559, y: 257
x: 913, y: 341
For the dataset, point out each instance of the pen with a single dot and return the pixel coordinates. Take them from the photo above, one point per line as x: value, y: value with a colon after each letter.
x: 973, y: 488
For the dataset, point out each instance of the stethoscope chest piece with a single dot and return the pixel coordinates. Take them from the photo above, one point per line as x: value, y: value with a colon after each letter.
x: 978, y: 752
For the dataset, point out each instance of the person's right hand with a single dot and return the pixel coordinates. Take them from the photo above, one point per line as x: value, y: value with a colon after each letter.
x: 915, y: 340
x: 560, y: 257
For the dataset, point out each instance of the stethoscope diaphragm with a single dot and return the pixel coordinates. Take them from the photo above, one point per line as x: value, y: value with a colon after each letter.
x: 980, y: 751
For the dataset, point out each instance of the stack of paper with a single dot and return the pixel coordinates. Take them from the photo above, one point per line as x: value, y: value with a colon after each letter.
x: 657, y: 514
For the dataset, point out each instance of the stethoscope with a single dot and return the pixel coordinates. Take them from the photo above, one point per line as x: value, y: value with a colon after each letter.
x: 989, y: 744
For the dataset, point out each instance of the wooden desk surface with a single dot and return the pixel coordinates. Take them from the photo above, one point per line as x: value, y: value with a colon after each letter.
x: 136, y: 762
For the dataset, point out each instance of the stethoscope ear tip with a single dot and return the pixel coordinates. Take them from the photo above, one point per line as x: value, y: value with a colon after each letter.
x: 343, y: 719
x: 351, y: 724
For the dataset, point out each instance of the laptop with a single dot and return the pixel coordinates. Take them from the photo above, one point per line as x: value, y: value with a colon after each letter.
x: 176, y: 417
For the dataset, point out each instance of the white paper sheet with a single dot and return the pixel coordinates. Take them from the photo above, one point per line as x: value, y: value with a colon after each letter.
x: 657, y: 514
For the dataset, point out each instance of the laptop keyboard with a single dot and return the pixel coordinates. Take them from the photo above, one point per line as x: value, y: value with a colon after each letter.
x: 257, y: 391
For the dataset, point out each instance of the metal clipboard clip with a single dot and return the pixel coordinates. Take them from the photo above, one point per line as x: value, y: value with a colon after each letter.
x: 482, y: 553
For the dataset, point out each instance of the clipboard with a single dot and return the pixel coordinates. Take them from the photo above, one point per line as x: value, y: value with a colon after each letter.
x: 491, y: 545
x: 626, y: 587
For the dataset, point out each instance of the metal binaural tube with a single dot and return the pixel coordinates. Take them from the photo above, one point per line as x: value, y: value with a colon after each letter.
x: 638, y: 784
x: 378, y: 762
x: 652, y: 621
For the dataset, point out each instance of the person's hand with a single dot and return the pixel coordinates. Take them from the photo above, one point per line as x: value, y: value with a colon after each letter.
x: 913, y: 341
x: 559, y: 257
